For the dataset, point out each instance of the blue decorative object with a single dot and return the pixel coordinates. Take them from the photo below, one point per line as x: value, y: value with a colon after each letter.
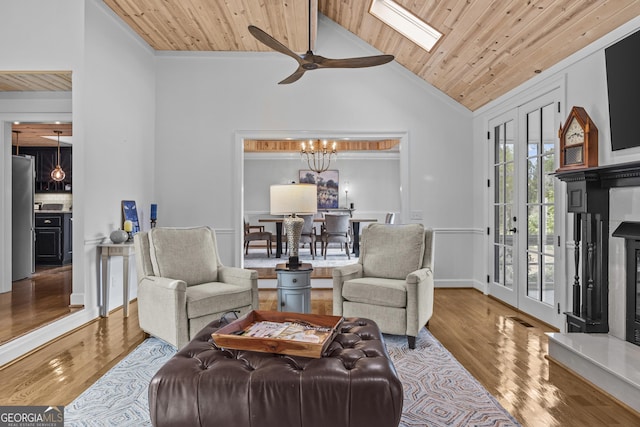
x: 130, y: 213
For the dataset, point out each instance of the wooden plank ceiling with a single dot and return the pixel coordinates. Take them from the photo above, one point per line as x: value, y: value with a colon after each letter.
x: 489, y: 46
x: 34, y: 134
x: 293, y: 146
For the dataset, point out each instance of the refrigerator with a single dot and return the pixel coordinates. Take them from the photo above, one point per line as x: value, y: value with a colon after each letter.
x: 22, y: 218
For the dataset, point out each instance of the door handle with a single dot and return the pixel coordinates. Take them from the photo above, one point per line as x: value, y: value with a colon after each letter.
x: 513, y: 230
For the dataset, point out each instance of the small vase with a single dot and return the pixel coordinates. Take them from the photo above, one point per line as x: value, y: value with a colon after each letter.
x: 119, y: 236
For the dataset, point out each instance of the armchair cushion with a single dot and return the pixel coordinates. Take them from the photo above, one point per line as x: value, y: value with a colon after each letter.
x: 187, y: 254
x: 376, y: 291
x: 392, y: 252
x: 215, y: 297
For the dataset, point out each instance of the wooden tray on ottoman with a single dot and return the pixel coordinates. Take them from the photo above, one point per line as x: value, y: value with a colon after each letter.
x: 236, y: 335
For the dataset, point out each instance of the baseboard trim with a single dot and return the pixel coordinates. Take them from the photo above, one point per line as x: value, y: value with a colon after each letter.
x: 20, y: 347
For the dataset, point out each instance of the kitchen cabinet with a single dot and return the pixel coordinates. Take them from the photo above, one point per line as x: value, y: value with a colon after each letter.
x: 53, y: 238
x: 46, y: 159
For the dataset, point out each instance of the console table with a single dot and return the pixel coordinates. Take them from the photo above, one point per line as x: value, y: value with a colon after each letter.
x: 107, y: 250
x: 294, y: 288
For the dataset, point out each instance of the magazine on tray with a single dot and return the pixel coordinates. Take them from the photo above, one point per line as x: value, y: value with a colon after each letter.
x: 293, y: 331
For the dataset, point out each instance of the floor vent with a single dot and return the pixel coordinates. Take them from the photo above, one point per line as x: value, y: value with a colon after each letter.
x: 520, y: 321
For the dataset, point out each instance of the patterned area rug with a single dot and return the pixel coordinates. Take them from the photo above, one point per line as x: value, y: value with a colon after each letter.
x: 438, y: 391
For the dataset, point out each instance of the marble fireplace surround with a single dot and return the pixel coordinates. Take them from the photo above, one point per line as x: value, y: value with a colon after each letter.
x: 606, y: 359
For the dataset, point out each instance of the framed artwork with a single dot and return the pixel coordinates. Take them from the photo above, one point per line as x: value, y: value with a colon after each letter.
x: 327, y: 183
x: 130, y: 213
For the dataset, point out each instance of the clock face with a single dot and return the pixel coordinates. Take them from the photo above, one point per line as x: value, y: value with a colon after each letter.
x: 574, y: 134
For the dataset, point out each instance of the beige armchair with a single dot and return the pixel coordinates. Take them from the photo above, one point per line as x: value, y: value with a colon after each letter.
x: 183, y: 286
x: 392, y: 283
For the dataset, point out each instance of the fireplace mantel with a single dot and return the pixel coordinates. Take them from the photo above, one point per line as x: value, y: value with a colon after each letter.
x: 609, y: 176
x: 588, y: 200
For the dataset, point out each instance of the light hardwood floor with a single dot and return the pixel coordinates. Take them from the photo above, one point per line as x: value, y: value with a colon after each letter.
x: 36, y: 301
x: 490, y: 339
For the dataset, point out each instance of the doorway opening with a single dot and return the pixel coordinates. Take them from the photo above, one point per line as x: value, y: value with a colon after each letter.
x: 41, y: 224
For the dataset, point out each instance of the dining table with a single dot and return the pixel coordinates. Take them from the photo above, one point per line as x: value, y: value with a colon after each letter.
x: 355, y: 225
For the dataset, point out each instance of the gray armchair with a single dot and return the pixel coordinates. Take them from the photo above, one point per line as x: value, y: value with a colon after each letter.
x: 183, y: 286
x: 392, y: 283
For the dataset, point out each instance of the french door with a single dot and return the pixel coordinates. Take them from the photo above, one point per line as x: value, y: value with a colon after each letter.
x: 526, y: 263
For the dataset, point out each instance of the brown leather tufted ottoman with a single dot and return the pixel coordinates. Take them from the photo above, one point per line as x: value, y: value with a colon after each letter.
x: 354, y: 384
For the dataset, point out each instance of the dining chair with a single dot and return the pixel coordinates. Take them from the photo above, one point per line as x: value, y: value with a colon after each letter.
x: 308, y: 234
x: 252, y: 236
x: 336, y: 230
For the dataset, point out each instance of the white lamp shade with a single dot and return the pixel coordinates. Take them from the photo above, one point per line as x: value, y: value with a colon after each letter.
x: 288, y: 199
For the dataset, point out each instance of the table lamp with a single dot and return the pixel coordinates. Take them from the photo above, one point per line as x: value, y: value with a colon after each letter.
x: 293, y: 199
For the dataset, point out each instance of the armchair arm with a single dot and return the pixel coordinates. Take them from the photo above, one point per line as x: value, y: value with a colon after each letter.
x: 162, y: 309
x: 341, y: 275
x: 241, y: 277
x: 419, y: 299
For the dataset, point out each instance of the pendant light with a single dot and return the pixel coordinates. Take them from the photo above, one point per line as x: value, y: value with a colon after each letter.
x: 17, y: 132
x: 58, y: 174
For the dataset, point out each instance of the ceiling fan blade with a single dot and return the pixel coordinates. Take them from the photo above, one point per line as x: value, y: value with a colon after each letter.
x: 365, y: 61
x: 274, y: 44
x: 293, y: 77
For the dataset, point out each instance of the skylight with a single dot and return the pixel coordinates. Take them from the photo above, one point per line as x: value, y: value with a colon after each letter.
x: 405, y: 22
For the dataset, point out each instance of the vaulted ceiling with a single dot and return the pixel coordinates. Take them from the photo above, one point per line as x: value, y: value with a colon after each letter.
x: 489, y: 46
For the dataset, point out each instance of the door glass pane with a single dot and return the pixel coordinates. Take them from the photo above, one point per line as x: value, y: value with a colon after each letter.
x: 499, y: 190
x: 532, y: 180
x: 499, y: 145
x: 509, y: 141
x: 533, y: 227
x: 503, y: 170
x: 548, y: 178
x: 533, y: 267
x: 549, y: 133
x: 549, y: 229
x: 508, y: 267
x: 548, y: 284
x: 541, y: 137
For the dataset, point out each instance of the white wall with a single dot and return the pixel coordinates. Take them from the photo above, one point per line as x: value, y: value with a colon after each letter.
x: 586, y: 86
x: 113, y: 103
x: 373, y: 182
x: 205, y: 100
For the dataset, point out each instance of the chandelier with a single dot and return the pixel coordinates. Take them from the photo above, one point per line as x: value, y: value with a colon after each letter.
x: 318, y: 158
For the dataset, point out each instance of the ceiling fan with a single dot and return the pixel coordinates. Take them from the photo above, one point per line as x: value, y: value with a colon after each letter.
x: 310, y: 61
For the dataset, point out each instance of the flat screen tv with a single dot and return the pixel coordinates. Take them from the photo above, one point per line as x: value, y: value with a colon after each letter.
x: 623, y: 84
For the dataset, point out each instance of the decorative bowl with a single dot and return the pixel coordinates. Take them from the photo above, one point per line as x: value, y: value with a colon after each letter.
x: 119, y: 236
